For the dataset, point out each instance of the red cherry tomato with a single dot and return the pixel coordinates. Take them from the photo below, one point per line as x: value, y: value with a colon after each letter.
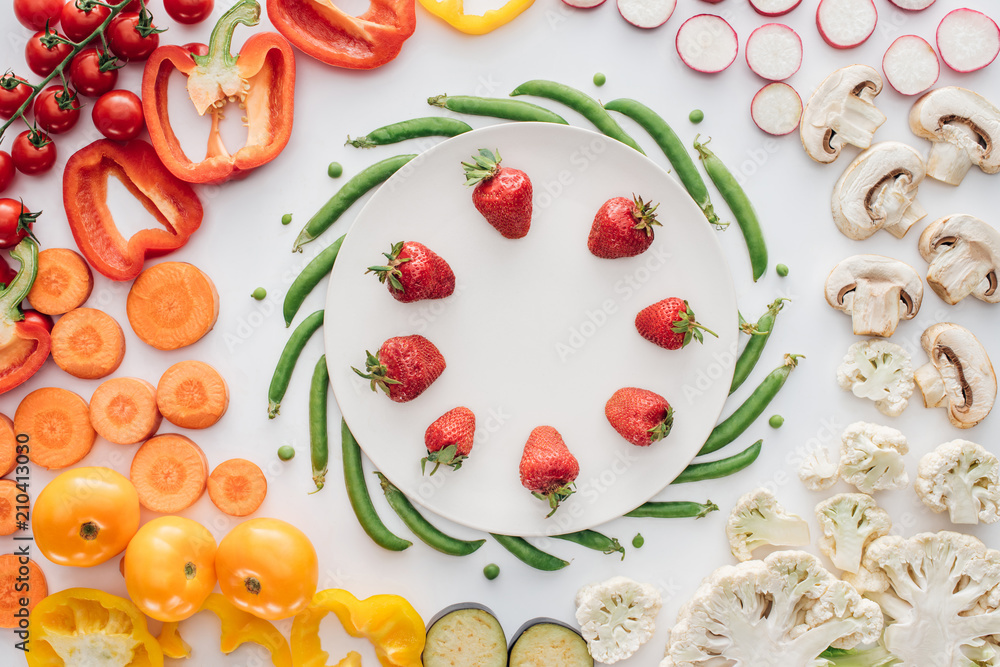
x: 196, y: 48
x: 12, y: 97
x: 33, y: 152
x: 35, y: 317
x: 56, y: 110
x: 86, y: 75
x: 34, y: 13
x: 6, y: 171
x: 125, y: 40
x: 43, y: 60
x: 78, y: 24
x: 118, y: 115
x: 189, y: 11
x: 15, y: 222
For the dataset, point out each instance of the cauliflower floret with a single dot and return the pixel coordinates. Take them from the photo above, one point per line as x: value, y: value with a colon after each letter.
x: 819, y: 471
x: 850, y: 521
x: 879, y: 370
x: 938, y: 592
x: 961, y: 477
x: 871, y: 457
x: 782, y: 611
x: 616, y: 617
x: 758, y: 520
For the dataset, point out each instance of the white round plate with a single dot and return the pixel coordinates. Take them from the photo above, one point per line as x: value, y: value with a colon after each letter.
x: 538, y: 331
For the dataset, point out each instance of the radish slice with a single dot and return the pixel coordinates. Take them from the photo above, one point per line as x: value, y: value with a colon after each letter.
x: 706, y: 43
x: 912, y: 5
x: 910, y: 65
x: 774, y: 52
x: 845, y: 24
x: 968, y: 40
x: 776, y: 109
x: 774, y: 7
x: 584, y: 4
x: 646, y: 13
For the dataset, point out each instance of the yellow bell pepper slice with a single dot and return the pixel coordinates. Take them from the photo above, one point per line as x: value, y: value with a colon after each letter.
x: 389, y: 622
x: 453, y: 11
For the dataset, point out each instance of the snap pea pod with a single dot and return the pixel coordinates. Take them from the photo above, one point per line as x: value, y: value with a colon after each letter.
x: 674, y: 509
x: 430, y: 126
x: 759, y: 333
x: 361, y: 502
x: 352, y: 190
x: 738, y: 202
x: 594, y: 540
x: 580, y: 102
x: 697, y: 472
x: 530, y: 554
x: 741, y: 419
x: 319, y: 444
x: 495, y: 107
x: 421, y: 527
x: 674, y: 150
x: 286, y: 362
x: 308, y: 278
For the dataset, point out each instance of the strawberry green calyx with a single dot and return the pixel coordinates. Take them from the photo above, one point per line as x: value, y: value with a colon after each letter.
x: 483, y: 167
x: 691, y: 328
x: 645, y: 215
x: 662, y: 430
x: 446, y: 456
x: 390, y: 270
x: 556, y: 496
x: 378, y: 373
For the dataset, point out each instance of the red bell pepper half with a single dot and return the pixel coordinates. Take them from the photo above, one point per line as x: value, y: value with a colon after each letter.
x: 334, y: 37
x: 261, y: 80
x: 172, y: 202
x: 24, y: 343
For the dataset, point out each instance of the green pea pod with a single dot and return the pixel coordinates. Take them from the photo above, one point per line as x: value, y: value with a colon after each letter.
x: 286, y: 362
x: 319, y: 445
x: 497, y: 108
x: 594, y: 540
x: 697, y: 472
x: 308, y: 278
x: 676, y: 509
x: 431, y: 126
x: 759, y: 334
x: 530, y: 554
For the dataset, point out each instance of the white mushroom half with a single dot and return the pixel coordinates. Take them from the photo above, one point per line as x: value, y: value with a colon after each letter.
x: 959, y: 376
x: 965, y: 129
x: 964, y: 254
x: 875, y: 291
x: 879, y: 191
x: 841, y: 111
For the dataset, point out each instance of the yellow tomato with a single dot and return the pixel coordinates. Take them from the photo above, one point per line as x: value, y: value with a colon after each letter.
x: 85, y: 516
x: 170, y: 568
x: 267, y: 567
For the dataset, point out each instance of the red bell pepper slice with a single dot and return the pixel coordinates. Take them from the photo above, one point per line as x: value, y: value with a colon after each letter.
x: 172, y: 202
x: 334, y: 37
x: 24, y: 343
x: 261, y: 79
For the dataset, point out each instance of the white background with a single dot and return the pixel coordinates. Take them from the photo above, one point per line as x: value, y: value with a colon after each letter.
x: 242, y: 246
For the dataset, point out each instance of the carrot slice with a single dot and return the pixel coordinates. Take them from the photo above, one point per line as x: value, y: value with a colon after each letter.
x: 64, y: 282
x: 123, y: 410
x: 192, y: 394
x: 237, y: 487
x: 172, y: 304
x: 57, y: 424
x: 8, y: 445
x: 169, y: 472
x: 8, y: 506
x: 15, y: 587
x: 88, y: 343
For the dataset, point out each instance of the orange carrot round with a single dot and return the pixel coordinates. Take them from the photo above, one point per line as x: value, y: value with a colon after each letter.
x: 192, y: 394
x: 8, y: 506
x: 237, y: 487
x: 57, y: 425
x: 8, y: 445
x: 123, y: 410
x: 88, y: 343
x: 11, y: 594
x: 171, y: 305
x: 169, y: 472
x: 64, y: 282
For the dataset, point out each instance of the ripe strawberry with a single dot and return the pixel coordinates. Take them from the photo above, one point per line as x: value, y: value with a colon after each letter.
x: 547, y: 467
x: 449, y: 439
x: 622, y: 228
x: 502, y: 194
x: 404, y: 368
x: 413, y: 272
x: 640, y: 416
x: 670, y: 323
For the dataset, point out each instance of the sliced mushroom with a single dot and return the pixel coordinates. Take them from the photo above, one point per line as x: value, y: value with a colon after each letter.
x: 964, y: 254
x: 879, y: 191
x: 965, y: 129
x: 841, y: 112
x: 959, y: 376
x: 875, y: 291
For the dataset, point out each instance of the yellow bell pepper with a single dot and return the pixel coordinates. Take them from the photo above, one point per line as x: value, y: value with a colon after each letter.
x: 238, y: 628
x: 389, y: 622
x: 453, y: 11
x: 87, y: 626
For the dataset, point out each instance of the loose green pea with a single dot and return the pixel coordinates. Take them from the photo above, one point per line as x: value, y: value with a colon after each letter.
x: 491, y: 571
x: 260, y: 294
x: 335, y: 170
x: 782, y: 270
x: 286, y: 219
x: 286, y: 452
x: 776, y: 421
x: 638, y: 540
x: 600, y: 79
x: 696, y: 116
